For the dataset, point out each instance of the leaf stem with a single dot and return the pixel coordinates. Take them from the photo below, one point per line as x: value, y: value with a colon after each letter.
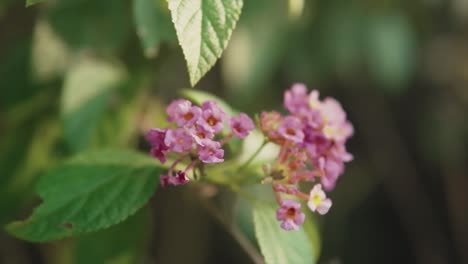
x: 245, y: 243
x: 254, y: 155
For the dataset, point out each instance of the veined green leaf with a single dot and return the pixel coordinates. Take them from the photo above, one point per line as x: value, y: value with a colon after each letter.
x: 203, y: 28
x: 89, y: 192
x: 279, y: 246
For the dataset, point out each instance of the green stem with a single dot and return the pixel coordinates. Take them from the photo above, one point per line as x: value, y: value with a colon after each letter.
x: 247, y: 163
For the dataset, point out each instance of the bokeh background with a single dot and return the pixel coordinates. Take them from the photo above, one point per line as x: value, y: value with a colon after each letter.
x: 399, y: 68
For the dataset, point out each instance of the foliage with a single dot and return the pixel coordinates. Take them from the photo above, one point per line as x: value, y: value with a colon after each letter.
x: 90, y: 192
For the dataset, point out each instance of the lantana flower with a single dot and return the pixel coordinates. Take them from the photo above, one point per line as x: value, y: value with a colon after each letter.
x: 195, y: 137
x: 318, y: 200
x: 312, y: 140
x: 290, y: 214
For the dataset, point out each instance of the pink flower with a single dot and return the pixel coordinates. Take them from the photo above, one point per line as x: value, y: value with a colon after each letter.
x: 210, y: 152
x: 199, y: 133
x: 165, y: 180
x: 315, y: 142
x: 295, y: 99
x: 212, y: 116
x: 318, y: 201
x: 290, y: 215
x: 178, y: 140
x: 314, y: 102
x: 183, y: 113
x: 336, y: 127
x: 291, y: 129
x: 269, y: 123
x: 180, y: 178
x: 331, y: 169
x: 241, y: 125
x: 156, y: 139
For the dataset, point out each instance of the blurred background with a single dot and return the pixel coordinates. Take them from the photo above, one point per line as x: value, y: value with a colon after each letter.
x: 84, y: 74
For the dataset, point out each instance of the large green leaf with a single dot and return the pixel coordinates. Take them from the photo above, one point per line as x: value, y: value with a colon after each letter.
x: 277, y: 245
x: 89, y: 192
x: 203, y: 28
x: 86, y: 93
x: 153, y: 25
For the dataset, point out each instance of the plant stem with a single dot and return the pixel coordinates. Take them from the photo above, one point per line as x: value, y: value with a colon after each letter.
x: 247, y: 163
x: 245, y: 243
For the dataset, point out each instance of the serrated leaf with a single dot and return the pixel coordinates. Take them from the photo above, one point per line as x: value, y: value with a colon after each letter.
x: 32, y: 2
x: 203, y: 28
x: 86, y: 93
x: 278, y: 245
x: 87, y: 193
x: 199, y: 97
x: 152, y: 24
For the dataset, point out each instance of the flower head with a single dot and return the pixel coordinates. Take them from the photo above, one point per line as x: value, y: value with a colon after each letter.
x: 193, y: 137
x: 318, y: 201
x: 312, y: 138
x: 290, y: 214
x: 241, y: 125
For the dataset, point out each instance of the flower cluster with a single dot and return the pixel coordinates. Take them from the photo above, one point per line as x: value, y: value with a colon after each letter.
x: 196, y: 136
x: 312, y: 138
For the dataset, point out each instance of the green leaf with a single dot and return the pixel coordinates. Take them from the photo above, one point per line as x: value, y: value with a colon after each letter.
x: 153, y: 25
x: 203, y: 28
x: 278, y: 245
x: 199, y: 97
x: 32, y: 2
x: 86, y: 93
x: 312, y: 231
x: 89, y: 192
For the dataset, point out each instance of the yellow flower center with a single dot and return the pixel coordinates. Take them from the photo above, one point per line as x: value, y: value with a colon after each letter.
x: 313, y: 104
x: 328, y: 131
x: 316, y: 200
